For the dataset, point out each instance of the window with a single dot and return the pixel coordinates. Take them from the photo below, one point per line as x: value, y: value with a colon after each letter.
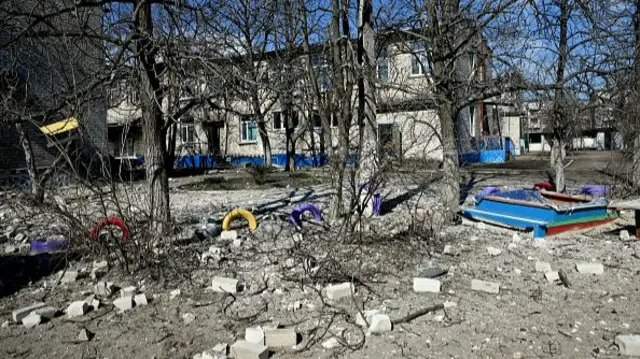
x: 382, y: 66
x: 126, y: 148
x: 316, y: 120
x: 321, y: 68
x: 132, y: 96
x: 535, y: 138
x: 248, y: 130
x: 419, y: 62
x: 294, y: 120
x: 334, y: 120
x: 278, y: 124
x: 187, y: 133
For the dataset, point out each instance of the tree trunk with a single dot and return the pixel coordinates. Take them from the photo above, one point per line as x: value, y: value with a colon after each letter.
x: 559, y: 112
x: 557, y: 154
x: 367, y: 105
x: 635, y: 115
x: 154, y: 135
x: 450, y: 164
x: 266, y: 144
x: 37, y: 191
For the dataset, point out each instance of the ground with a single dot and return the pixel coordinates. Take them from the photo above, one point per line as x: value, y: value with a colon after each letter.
x: 529, y: 318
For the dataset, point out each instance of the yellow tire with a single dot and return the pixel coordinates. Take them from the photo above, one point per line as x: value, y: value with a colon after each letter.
x: 226, y: 223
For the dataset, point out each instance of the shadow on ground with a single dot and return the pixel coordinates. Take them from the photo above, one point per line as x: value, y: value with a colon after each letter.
x: 17, y: 271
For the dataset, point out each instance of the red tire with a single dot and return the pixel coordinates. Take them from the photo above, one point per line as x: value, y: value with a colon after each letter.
x: 111, y: 221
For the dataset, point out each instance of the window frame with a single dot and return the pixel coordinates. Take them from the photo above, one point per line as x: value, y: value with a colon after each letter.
x: 280, y: 118
x: 188, y: 129
x: 247, y: 119
x: 419, y: 59
x: 383, y: 57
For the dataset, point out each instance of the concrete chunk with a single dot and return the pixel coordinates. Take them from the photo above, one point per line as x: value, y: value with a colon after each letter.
x: 123, y: 304
x: 543, y: 267
x: 140, y: 299
x: 380, y: 323
x: 624, y: 235
x: 69, y: 277
x: 103, y: 289
x: 18, y: 314
x: 339, y: 291
x: 77, y: 309
x: 590, y: 268
x: 217, y: 352
x: 228, y: 235
x: 426, y: 285
x: 494, y: 251
x: 128, y: 291
x: 331, y: 343
x: 360, y: 320
x: 274, y: 338
x: 46, y: 312
x: 242, y: 349
x: 254, y: 335
x: 225, y: 285
x: 629, y: 345
x: 175, y: 293
x: 487, y: 287
x: 85, y: 335
x: 552, y: 276
x: 31, y: 320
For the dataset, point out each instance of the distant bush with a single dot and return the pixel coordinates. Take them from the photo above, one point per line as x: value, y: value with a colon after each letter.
x: 260, y: 174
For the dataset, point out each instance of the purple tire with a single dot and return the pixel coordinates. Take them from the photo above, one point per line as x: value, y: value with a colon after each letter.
x: 51, y: 246
x: 485, y: 192
x: 305, y: 207
x: 595, y: 190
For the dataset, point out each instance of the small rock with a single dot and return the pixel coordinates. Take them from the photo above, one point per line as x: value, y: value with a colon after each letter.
x: 19, y: 238
x: 590, y: 268
x: 274, y: 337
x: 629, y: 345
x: 77, y: 309
x: 487, y: 287
x: 85, y: 335
x: 140, y: 299
x: 245, y: 350
x: 123, y: 304
x: 543, y: 267
x: 103, y: 289
x: 448, y: 304
x: 380, y: 323
x: 5, y: 324
x: 515, y: 238
x: 128, y: 292
x: 174, y: 293
x: 517, y: 271
x: 24, y: 248
x: 624, y: 235
x: 552, y: 276
x: 512, y: 246
x: 237, y: 243
x: 225, y: 285
x: 494, y: 251
x: 449, y: 250
x: 10, y: 249
x: 18, y: 314
x: 254, y: 335
x: 338, y: 291
x: 31, y: 320
x: 360, y: 320
x: 228, y: 235
x: 188, y: 318
x: 46, y: 312
x: 426, y: 285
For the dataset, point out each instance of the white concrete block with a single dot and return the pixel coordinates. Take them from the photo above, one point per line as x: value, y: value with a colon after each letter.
x: 128, y: 292
x: 280, y: 337
x: 85, y: 335
x: 69, y: 277
x: 552, y: 276
x: 624, y: 235
x: 46, y: 312
x: 629, y: 345
x: 380, y: 323
x: 103, y: 289
x: 360, y: 320
x: 228, y: 235
x: 543, y: 267
x: 590, y: 268
x: 140, y: 299
x: 18, y: 314
x: 494, y: 251
x: 31, y: 320
x: 174, y: 293
x: 254, y: 335
x: 123, y: 304
x: 487, y: 287
x: 77, y: 309
x: 242, y: 349
x: 225, y: 285
x: 217, y: 352
x: 426, y: 285
x: 339, y: 291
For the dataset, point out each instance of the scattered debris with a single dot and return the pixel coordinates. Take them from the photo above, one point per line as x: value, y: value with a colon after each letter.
x: 277, y: 337
x: 103, y: 289
x: 188, y: 318
x: 590, y: 268
x: 482, y: 286
x: 449, y: 250
x: 552, y: 276
x: 46, y: 312
x: 331, y: 343
x: 140, y: 299
x: 339, y: 291
x: 364, y: 321
x: 69, y: 277
x: 85, y: 335
x: 77, y: 309
x: 380, y: 323
x: 123, y: 304
x: 433, y: 272
x: 128, y: 291
x: 225, y: 285
x: 624, y: 235
x: 174, y: 293
x: 426, y: 285
x: 245, y: 350
x: 217, y: 352
x: 494, y: 251
x: 228, y: 235
x: 629, y: 345
x: 564, y: 278
x: 254, y: 335
x: 31, y: 320
x: 18, y: 314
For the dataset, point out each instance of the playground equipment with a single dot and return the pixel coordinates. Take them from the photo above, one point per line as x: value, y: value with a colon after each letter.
x: 226, y: 223
x: 306, y: 207
x: 111, y: 221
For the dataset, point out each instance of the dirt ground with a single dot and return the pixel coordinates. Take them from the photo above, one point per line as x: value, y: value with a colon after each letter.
x: 529, y: 318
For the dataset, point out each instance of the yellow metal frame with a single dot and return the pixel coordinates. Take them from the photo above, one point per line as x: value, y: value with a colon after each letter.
x: 226, y: 223
x: 69, y: 124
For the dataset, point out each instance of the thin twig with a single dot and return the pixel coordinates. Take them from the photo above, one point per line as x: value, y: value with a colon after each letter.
x: 417, y: 314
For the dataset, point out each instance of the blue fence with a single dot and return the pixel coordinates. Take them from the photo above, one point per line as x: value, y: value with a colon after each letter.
x: 490, y: 150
